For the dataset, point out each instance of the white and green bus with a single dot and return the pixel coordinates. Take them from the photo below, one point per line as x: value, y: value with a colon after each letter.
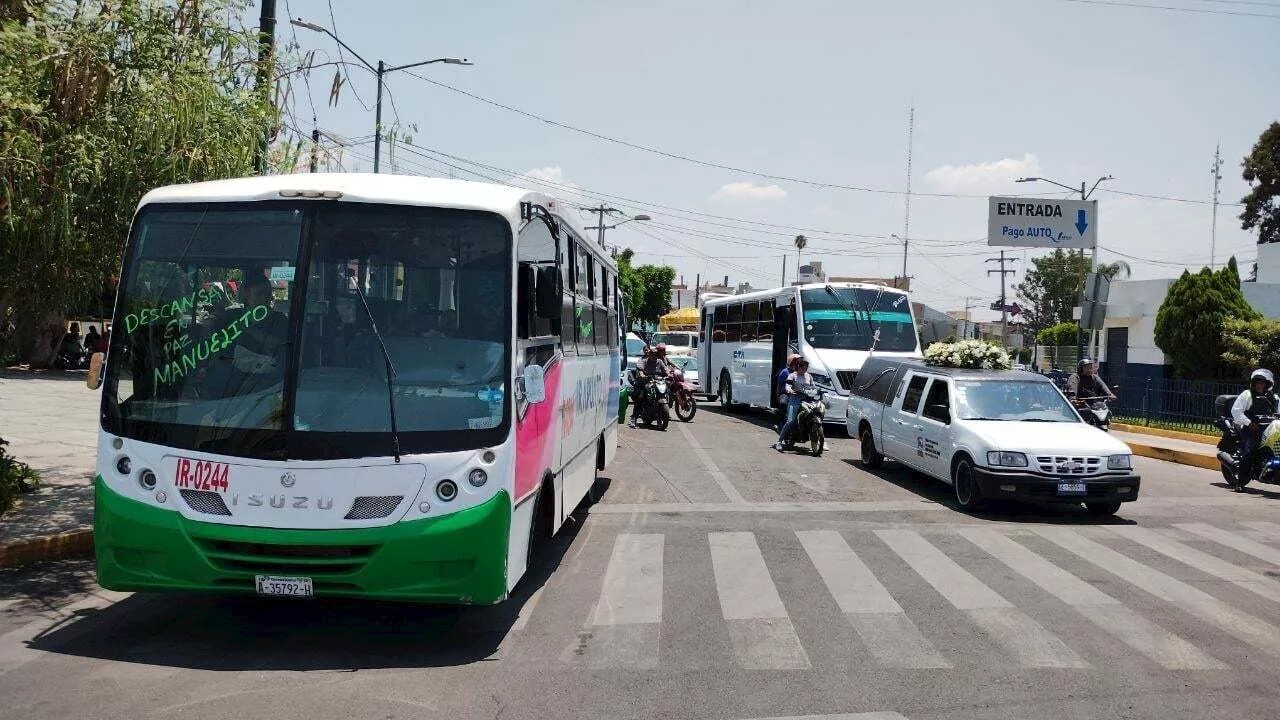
x: 351, y: 385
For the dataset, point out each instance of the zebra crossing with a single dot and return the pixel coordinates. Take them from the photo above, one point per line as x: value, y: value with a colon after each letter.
x: 1152, y: 592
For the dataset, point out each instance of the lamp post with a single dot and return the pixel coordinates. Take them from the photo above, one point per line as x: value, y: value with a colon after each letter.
x: 380, y: 70
x: 600, y: 227
x: 1093, y: 255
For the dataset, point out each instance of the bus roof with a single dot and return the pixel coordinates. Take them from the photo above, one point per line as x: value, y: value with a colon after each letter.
x: 791, y: 289
x: 365, y: 187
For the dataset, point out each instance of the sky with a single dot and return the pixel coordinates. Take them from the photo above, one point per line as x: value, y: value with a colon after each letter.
x: 819, y: 93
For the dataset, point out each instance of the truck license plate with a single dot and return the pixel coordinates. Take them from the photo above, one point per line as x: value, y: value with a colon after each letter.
x: 1071, y: 488
x: 285, y: 586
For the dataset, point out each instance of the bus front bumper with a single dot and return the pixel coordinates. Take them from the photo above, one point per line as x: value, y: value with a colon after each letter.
x: 458, y: 558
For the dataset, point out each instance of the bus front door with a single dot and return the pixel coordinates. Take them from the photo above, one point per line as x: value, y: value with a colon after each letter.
x: 784, y: 320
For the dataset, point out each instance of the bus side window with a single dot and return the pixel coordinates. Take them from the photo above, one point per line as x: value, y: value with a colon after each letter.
x: 568, y: 323
x: 750, y: 315
x: 733, y: 328
x: 536, y: 248
x: 764, y: 328
x: 720, y: 323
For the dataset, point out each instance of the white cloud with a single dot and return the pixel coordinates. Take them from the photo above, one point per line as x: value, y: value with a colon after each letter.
x: 747, y: 191
x: 549, y: 180
x: 982, y: 177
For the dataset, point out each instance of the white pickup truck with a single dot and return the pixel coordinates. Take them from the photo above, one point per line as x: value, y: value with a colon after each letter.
x: 991, y: 434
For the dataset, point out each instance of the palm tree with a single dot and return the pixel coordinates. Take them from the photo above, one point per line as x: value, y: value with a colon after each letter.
x: 1118, y: 270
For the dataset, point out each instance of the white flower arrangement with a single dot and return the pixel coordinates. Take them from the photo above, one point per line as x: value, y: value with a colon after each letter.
x: 974, y: 354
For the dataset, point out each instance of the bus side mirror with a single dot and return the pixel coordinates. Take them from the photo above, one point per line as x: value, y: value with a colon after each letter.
x: 547, y: 291
x: 535, y: 385
x: 94, y: 380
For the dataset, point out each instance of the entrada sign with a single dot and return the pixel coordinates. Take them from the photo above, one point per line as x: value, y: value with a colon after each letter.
x: 1036, y: 222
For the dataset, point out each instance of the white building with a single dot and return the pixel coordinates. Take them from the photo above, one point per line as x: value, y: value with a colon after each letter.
x: 1127, y: 345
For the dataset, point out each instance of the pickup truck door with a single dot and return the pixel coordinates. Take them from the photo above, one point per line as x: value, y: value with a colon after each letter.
x: 902, y: 421
x: 933, y: 440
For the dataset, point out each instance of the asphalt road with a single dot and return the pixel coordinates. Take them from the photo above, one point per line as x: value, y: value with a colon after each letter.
x: 720, y: 580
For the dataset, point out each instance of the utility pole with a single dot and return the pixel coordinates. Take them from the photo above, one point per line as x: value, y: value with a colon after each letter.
x: 784, y: 270
x: 1004, y: 311
x: 266, y: 62
x: 599, y: 226
x: 315, y: 149
x: 967, y: 307
x: 1216, y: 170
x: 906, y: 221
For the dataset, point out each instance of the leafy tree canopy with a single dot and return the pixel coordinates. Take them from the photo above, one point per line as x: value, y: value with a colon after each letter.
x: 1190, y: 322
x: 1051, y: 287
x: 1262, y: 172
x: 646, y: 290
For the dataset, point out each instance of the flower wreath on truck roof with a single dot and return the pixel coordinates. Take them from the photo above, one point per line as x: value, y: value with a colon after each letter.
x: 974, y: 354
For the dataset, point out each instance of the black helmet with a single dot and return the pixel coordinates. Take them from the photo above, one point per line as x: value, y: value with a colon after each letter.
x: 1083, y: 362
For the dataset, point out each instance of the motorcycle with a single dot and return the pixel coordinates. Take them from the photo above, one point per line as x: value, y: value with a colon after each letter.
x: 682, y: 400
x: 809, y: 419
x: 1238, y: 472
x: 1095, y: 411
x: 653, y: 401
x: 71, y: 358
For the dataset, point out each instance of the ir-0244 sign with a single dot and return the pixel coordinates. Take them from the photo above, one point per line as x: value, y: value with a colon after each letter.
x: 202, y: 475
x: 1039, y: 222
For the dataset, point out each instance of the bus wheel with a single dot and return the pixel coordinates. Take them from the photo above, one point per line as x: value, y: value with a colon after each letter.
x: 726, y: 391
x: 540, y: 528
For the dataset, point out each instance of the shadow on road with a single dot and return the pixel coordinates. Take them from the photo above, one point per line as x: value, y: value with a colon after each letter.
x: 208, y: 632
x: 1005, y: 510
x: 21, y: 373
x: 1251, y: 490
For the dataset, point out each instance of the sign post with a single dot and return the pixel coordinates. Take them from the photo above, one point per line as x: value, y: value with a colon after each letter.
x: 1047, y: 223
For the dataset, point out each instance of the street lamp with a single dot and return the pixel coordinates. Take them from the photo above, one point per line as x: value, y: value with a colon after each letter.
x: 1083, y: 195
x: 380, y: 70
x: 600, y: 227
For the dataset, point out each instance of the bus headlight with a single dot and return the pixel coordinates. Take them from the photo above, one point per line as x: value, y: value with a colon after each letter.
x: 477, y: 477
x: 147, y: 479
x: 446, y: 490
x: 124, y: 465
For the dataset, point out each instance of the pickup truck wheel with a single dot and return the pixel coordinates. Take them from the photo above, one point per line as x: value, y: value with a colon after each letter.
x: 1102, y: 509
x: 967, y: 493
x: 870, y: 458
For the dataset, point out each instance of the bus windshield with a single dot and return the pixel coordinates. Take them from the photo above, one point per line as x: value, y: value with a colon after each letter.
x: 229, y: 346
x: 849, y: 322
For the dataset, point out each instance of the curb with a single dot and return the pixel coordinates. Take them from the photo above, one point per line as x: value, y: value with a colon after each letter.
x: 1182, y: 457
x: 1161, y: 432
x: 46, y: 547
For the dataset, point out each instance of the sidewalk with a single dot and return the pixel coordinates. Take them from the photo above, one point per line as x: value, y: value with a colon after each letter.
x: 1203, y: 454
x: 50, y: 422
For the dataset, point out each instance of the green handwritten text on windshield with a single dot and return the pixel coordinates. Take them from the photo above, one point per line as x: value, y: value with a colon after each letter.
x: 169, y: 310
x: 219, y: 340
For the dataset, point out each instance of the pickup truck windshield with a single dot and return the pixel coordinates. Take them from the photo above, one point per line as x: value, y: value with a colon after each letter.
x: 1012, y: 400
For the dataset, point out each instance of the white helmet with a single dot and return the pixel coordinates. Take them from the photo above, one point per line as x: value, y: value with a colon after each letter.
x: 1262, y: 374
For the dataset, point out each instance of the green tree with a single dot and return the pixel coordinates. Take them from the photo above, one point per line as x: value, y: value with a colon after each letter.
x: 1051, y: 288
x: 1060, y: 335
x: 646, y: 290
x: 99, y: 103
x: 1249, y: 344
x: 1190, y: 322
x: 1262, y: 172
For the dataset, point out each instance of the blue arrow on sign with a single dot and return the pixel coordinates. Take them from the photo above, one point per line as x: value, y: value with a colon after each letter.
x: 1080, y: 222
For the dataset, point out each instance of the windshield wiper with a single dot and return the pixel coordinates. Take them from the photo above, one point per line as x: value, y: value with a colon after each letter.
x: 987, y: 418
x: 386, y: 356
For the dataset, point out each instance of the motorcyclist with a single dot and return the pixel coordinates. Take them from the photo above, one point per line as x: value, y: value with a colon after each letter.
x: 1086, y: 383
x: 797, y: 382
x: 783, y: 374
x: 1257, y: 400
x: 653, y: 366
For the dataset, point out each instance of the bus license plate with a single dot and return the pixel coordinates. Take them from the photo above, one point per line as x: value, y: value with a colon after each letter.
x: 285, y: 586
x: 1071, y: 488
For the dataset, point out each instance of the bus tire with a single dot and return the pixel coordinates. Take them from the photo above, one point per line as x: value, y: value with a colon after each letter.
x: 726, y: 391
x: 544, y: 505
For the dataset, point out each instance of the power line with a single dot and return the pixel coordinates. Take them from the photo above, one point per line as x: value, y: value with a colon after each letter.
x: 1203, y: 11
x: 1166, y: 197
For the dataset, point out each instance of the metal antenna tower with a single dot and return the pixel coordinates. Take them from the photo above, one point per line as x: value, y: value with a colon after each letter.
x: 906, y: 221
x: 1216, y: 171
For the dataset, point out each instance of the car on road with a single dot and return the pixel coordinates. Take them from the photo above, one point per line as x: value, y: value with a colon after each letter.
x: 991, y: 434
x: 689, y: 366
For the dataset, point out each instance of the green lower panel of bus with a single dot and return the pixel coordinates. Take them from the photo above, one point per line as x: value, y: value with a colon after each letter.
x: 458, y: 558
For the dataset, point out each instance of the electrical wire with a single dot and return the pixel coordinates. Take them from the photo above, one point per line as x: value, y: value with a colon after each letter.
x: 1203, y: 11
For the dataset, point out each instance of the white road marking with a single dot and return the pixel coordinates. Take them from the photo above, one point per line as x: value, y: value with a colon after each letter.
x: 864, y: 506
x: 762, y: 635
x: 1196, y: 602
x: 1204, y: 562
x: 1233, y: 541
x: 1269, y: 530
x: 625, y: 625
x: 726, y: 487
x: 1106, y: 612
x: 632, y: 591
x: 878, y: 619
x: 1029, y: 643
x: 15, y: 649
x: 844, y: 716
